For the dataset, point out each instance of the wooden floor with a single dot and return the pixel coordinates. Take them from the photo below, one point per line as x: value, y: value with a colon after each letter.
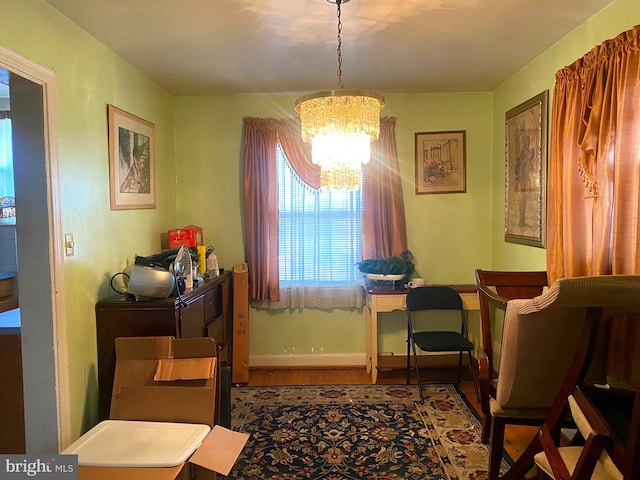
x: 516, y: 437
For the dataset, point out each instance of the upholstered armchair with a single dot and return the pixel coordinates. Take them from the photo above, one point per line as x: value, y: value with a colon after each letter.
x: 548, y: 344
x: 495, y: 289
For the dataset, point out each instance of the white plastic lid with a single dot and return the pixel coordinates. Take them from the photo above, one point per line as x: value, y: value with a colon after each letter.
x: 123, y: 443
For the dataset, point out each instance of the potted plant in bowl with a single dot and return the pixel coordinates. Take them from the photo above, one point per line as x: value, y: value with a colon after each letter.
x: 390, y: 272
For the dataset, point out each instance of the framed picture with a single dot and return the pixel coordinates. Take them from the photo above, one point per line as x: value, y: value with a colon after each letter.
x: 132, y: 163
x: 526, y: 172
x: 441, y: 162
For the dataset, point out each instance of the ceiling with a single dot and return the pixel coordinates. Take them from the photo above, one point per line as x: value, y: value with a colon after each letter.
x: 217, y: 47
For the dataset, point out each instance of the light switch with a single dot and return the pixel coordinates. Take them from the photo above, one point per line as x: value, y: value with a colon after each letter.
x: 69, y: 247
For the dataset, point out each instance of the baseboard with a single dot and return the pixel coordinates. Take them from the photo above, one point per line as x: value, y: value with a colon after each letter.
x: 315, y: 360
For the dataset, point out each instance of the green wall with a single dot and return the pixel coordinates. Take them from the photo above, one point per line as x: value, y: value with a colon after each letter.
x: 208, y: 146
x: 199, y: 181
x: 450, y: 235
x: 537, y: 76
x: 89, y: 76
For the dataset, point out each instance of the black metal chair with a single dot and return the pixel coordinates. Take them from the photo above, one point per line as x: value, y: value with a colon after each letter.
x: 437, y: 299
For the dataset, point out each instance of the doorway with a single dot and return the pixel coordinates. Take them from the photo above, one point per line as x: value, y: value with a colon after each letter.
x: 32, y: 90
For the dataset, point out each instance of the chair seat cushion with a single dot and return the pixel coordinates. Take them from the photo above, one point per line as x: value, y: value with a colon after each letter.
x: 605, y: 468
x: 441, y: 341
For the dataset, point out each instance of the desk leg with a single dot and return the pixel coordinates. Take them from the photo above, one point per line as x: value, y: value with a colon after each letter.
x: 368, y: 342
x: 373, y: 344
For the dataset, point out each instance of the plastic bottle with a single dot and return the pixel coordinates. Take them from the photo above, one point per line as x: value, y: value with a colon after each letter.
x: 212, y: 263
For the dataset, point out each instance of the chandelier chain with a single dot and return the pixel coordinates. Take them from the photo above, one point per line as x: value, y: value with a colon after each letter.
x: 340, y: 85
x: 340, y: 125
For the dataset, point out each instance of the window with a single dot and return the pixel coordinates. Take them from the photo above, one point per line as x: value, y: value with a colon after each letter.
x: 320, y: 236
x: 6, y: 157
x: 7, y: 200
x: 379, y: 230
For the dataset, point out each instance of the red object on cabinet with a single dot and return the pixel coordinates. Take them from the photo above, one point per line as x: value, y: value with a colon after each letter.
x: 189, y: 236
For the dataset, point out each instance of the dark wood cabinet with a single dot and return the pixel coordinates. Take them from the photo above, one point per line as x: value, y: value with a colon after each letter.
x: 205, y: 311
x: 12, y: 437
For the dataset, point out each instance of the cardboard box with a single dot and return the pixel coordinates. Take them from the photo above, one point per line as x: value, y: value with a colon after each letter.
x: 163, y: 379
x: 189, y: 236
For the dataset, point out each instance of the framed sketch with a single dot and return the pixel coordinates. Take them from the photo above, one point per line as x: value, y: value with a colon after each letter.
x: 441, y: 162
x: 526, y: 172
x: 132, y: 164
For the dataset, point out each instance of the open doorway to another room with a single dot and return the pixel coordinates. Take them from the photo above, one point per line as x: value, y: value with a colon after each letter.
x: 11, y: 398
x: 41, y: 329
x: 8, y: 247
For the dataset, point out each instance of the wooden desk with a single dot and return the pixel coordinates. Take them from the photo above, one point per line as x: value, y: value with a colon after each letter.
x: 378, y: 301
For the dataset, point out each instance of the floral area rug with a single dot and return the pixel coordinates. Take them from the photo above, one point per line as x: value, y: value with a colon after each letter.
x: 345, y: 432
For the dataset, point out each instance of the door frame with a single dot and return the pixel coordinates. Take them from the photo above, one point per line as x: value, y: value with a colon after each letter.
x: 26, y: 68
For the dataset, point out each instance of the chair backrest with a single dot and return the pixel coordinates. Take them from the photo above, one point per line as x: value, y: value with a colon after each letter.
x: 435, y: 297
x: 512, y: 284
x: 541, y: 335
x: 495, y: 288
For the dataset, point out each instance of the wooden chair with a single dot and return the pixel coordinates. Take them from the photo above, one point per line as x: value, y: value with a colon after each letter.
x: 495, y: 289
x: 609, y: 421
x: 621, y: 410
x: 579, y: 462
x: 576, y: 309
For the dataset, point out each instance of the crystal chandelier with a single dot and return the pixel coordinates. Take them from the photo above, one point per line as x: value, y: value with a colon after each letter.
x: 340, y: 125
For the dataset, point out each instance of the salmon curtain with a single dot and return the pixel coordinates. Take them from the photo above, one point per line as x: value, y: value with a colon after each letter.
x: 593, y: 213
x: 260, y: 196
x: 384, y: 226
